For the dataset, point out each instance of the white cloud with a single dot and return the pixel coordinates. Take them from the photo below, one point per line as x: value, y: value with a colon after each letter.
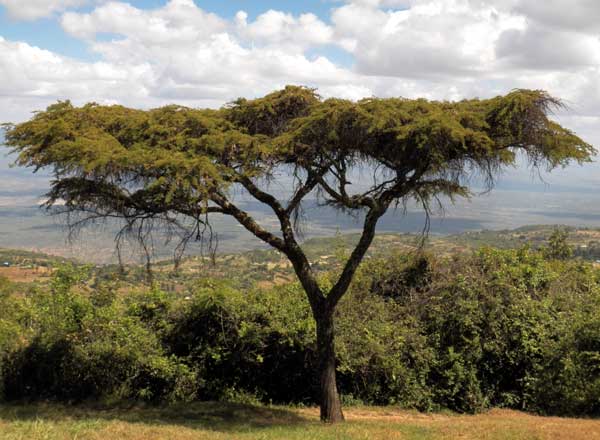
x: 34, y: 9
x: 542, y: 48
x: 577, y: 15
x: 33, y: 78
x: 195, y: 55
x: 276, y: 28
x: 175, y: 53
x: 438, y: 49
x: 179, y: 21
x: 431, y: 39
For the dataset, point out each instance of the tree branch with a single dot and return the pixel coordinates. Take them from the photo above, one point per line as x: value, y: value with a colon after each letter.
x: 351, y: 202
x: 370, y: 224
x: 311, y: 182
x: 248, y: 222
x: 289, y: 246
x: 259, y: 194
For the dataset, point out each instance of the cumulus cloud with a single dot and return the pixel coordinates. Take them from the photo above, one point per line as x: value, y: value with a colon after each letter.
x: 194, y: 55
x: 174, y: 53
x: 538, y: 47
x: 33, y: 78
x: 580, y: 15
x: 34, y: 9
x: 276, y: 28
x: 431, y: 39
x: 178, y: 22
x: 439, y: 49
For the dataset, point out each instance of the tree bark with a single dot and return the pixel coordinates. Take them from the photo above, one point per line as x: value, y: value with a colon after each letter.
x: 331, y: 406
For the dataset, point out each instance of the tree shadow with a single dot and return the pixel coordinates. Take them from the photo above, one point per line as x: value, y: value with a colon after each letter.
x: 215, y: 416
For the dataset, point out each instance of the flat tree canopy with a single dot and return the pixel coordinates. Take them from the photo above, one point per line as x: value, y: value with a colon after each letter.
x: 174, y: 163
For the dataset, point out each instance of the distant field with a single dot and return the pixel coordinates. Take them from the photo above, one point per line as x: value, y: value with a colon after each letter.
x: 267, y: 267
x: 216, y: 421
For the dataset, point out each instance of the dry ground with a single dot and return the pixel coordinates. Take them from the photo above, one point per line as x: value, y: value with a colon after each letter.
x: 25, y: 275
x: 232, y: 421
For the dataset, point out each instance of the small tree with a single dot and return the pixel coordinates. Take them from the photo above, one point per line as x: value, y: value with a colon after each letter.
x: 558, y: 247
x: 180, y: 166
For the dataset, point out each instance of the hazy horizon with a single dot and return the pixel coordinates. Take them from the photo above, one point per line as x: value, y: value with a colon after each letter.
x: 519, y: 199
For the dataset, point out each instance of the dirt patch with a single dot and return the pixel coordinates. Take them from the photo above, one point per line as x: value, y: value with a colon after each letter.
x: 24, y: 275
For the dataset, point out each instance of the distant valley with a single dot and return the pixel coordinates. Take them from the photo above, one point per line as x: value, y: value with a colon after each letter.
x: 518, y: 200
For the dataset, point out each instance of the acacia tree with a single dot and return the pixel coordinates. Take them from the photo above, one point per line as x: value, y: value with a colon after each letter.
x: 166, y: 165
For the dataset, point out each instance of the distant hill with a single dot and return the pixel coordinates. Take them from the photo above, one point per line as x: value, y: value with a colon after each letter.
x: 268, y: 267
x: 325, y: 253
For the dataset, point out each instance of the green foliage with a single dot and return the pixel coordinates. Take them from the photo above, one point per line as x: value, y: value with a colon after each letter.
x: 506, y: 328
x: 272, y: 114
x: 495, y: 322
x: 260, y: 342
x: 558, y: 247
x: 71, y: 350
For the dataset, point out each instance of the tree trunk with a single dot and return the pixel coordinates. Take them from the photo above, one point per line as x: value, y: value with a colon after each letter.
x: 331, y: 406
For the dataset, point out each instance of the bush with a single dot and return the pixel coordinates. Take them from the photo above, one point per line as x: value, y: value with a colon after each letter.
x: 511, y: 328
x: 260, y: 342
x: 77, y: 351
x: 506, y: 328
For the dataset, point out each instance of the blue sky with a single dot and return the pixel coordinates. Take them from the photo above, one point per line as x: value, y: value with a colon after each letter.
x: 45, y: 33
x: 229, y: 8
x: 321, y: 8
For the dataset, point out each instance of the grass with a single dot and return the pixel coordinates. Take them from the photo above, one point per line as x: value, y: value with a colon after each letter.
x: 217, y: 421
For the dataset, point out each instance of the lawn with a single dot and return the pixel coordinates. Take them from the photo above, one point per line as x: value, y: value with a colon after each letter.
x: 217, y: 421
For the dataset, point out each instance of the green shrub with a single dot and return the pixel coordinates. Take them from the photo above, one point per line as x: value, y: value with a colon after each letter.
x: 508, y: 328
x: 78, y: 351
x: 259, y: 342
